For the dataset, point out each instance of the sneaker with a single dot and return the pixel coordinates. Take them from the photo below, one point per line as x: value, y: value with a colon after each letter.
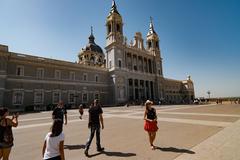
x: 100, y: 149
x: 86, y: 153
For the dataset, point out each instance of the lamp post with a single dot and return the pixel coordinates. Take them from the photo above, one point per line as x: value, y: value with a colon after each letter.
x: 208, y: 92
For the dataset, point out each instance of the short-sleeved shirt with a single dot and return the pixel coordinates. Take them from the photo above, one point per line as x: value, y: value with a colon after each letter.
x: 59, y: 113
x: 52, y: 145
x: 94, y: 113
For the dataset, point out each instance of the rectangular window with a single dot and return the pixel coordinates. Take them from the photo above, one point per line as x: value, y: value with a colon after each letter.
x: 57, y: 74
x: 85, y: 78
x: 40, y: 72
x: 96, y: 78
x: 56, y: 97
x: 20, y: 71
x: 38, y: 97
x: 72, y: 76
x: 84, y: 97
x: 135, y: 67
x: 18, y: 98
x: 71, y: 97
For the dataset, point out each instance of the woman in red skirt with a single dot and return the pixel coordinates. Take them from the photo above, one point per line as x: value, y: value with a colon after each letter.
x: 150, y: 124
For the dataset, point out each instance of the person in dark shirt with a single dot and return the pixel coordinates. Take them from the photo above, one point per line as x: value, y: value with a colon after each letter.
x: 81, y: 111
x: 60, y: 112
x: 150, y: 124
x: 95, y: 118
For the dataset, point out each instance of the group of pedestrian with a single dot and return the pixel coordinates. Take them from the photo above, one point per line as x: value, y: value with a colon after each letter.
x: 53, y: 146
x: 235, y: 101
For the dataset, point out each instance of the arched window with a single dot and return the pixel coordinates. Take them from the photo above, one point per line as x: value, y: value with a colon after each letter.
x: 118, y: 28
x: 157, y: 44
x: 119, y: 63
x: 109, y: 28
x: 149, y: 44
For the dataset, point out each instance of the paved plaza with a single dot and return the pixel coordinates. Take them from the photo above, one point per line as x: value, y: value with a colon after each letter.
x: 186, y: 132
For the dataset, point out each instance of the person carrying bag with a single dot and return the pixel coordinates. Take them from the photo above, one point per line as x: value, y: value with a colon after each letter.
x: 6, y: 134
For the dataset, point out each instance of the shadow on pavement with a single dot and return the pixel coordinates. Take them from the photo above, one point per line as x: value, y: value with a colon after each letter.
x: 177, y: 150
x: 115, y: 154
x: 74, y: 147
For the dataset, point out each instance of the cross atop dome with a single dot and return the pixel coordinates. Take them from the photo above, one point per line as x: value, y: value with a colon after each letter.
x: 91, y: 30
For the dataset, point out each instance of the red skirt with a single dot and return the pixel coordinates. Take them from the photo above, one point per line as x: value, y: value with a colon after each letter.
x: 150, y: 126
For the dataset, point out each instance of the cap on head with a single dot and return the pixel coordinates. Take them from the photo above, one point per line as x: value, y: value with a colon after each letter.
x: 148, y: 102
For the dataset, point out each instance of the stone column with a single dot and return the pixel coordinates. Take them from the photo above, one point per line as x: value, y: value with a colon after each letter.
x: 144, y: 89
x: 147, y: 66
x: 125, y: 59
x: 133, y: 80
x: 153, y: 66
x: 132, y: 61
x: 149, y: 89
x: 137, y: 63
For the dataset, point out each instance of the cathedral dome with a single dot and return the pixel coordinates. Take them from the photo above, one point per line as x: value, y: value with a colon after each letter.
x: 91, y: 54
x: 92, y: 46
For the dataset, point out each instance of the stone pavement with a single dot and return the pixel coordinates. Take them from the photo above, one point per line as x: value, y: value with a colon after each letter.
x: 225, y: 145
x: 186, y: 132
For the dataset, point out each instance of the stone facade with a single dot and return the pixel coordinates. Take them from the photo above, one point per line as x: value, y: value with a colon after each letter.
x: 125, y: 73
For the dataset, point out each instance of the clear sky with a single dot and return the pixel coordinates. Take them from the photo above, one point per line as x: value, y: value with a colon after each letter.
x: 200, y: 38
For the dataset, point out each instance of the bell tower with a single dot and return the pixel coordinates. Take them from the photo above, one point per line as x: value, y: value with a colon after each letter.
x: 152, y: 39
x: 114, y: 26
x: 153, y: 47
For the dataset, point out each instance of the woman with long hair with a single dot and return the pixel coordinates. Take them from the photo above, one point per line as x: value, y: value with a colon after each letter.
x: 6, y: 135
x: 150, y: 124
x: 53, y: 147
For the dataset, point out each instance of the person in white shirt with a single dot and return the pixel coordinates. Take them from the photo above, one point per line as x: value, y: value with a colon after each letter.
x: 53, y: 147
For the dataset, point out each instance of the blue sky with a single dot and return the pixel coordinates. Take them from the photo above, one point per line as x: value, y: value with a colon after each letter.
x: 200, y: 38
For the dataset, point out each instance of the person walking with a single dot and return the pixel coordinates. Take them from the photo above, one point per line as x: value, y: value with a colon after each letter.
x: 81, y: 111
x: 53, y: 147
x: 59, y: 112
x: 95, y: 117
x: 150, y: 124
x: 6, y: 135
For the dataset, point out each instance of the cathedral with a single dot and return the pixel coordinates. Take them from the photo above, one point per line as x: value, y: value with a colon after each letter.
x: 120, y: 73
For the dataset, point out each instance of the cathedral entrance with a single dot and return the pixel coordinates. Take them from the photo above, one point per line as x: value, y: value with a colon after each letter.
x: 136, y: 94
